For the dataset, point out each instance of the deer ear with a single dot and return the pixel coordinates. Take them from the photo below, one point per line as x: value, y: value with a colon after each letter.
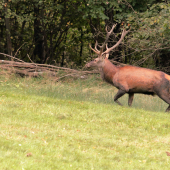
x: 107, y: 55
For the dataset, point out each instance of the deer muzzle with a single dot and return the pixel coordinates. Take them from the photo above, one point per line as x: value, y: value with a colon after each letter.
x: 87, y: 65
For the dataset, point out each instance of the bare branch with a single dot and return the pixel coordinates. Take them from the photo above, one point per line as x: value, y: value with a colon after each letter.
x: 11, y: 57
x: 19, y: 49
x: 29, y: 58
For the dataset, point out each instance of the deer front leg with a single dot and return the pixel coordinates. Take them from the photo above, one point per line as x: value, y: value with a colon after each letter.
x: 119, y: 94
x: 130, y: 100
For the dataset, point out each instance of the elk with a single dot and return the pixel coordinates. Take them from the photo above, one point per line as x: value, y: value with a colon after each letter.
x: 129, y: 79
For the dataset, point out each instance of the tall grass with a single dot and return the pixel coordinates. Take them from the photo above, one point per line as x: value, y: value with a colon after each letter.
x: 76, y: 125
x: 95, y: 90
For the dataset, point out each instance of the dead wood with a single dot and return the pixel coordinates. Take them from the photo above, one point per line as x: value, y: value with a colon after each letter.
x: 36, y: 70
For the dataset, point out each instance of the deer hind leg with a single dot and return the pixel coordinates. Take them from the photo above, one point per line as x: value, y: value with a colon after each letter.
x: 168, y: 109
x: 130, y: 100
x: 165, y: 96
x: 119, y: 94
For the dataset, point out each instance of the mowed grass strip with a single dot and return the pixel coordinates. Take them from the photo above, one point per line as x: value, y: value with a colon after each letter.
x: 75, y: 126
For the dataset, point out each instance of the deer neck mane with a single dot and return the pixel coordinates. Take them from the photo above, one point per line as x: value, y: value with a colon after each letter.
x: 108, y: 71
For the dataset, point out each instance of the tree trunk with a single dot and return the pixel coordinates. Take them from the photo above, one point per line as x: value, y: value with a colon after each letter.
x: 2, y: 28
x: 39, y: 54
x: 8, y: 37
x: 81, y: 47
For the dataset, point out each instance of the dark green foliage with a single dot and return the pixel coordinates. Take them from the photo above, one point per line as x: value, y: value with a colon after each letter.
x: 59, y: 31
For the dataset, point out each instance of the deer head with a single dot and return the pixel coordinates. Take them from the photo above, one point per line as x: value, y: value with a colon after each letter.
x: 99, y: 61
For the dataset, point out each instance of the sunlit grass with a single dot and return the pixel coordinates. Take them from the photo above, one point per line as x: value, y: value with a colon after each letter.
x: 76, y: 125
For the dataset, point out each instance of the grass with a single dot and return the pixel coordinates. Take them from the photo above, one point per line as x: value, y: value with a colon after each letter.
x: 76, y: 125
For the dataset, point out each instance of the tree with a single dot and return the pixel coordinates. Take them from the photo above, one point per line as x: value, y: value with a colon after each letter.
x: 59, y: 31
x: 150, y: 40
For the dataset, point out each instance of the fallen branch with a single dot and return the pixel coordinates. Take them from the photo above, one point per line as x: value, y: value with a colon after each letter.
x: 12, y: 57
x: 36, y: 70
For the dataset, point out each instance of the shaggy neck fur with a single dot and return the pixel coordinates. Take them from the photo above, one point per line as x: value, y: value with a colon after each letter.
x: 108, y: 71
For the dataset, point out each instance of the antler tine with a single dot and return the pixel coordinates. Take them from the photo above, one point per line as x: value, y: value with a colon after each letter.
x: 107, y: 55
x: 106, y: 47
x: 107, y: 36
x: 120, y: 40
x: 96, y: 44
x: 111, y: 29
x: 96, y: 51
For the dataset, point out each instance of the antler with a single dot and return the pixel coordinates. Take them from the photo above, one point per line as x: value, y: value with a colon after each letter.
x: 120, y: 40
x: 107, y: 36
x: 107, y: 55
x: 100, y: 53
x: 106, y: 40
x: 95, y: 50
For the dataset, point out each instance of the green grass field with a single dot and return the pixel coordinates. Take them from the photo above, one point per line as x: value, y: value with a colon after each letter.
x: 76, y: 125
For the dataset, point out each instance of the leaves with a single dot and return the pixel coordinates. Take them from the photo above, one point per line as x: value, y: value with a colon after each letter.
x: 60, y: 31
x: 152, y: 32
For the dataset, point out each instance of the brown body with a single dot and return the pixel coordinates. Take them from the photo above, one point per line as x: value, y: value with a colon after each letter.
x: 130, y: 79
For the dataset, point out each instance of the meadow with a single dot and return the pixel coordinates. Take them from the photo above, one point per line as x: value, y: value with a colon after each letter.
x: 75, y: 125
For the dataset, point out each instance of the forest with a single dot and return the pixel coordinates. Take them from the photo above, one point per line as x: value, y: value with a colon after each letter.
x: 56, y: 113
x: 58, y: 32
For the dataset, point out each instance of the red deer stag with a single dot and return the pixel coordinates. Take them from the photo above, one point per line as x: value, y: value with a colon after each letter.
x: 130, y: 79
